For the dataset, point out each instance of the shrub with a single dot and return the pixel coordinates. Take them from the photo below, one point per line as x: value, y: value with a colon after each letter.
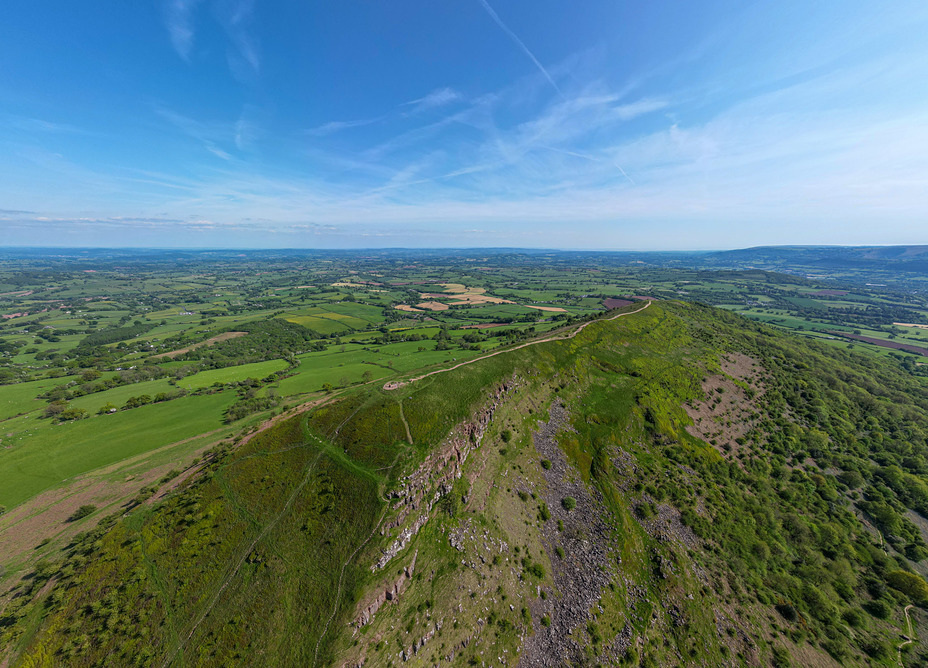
x: 787, y: 611
x: 878, y: 609
x: 546, y: 464
x: 82, y: 512
x: 910, y: 584
x: 851, y: 478
x: 544, y: 513
x: 569, y: 502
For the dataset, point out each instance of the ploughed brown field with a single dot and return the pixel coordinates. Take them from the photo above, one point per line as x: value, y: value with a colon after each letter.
x: 885, y: 344
x: 613, y: 302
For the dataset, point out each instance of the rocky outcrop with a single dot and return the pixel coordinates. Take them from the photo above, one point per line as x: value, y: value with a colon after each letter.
x: 435, y: 477
x: 390, y: 593
x: 397, y: 546
x: 413, y: 649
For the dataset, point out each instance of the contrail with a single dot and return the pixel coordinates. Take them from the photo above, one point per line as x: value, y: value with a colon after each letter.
x: 592, y: 159
x: 520, y: 43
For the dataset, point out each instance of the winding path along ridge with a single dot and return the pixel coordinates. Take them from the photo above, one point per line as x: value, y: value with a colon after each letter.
x: 396, y: 384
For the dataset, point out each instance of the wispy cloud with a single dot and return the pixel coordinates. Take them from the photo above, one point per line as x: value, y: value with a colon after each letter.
x: 236, y: 18
x: 179, y: 21
x: 246, y: 129
x: 627, y: 112
x: 332, y: 127
x: 41, y: 125
x: 218, y: 152
x: 520, y: 44
x: 439, y: 97
x: 209, y: 135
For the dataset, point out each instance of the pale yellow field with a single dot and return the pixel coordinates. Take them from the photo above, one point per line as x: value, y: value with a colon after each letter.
x: 471, y: 298
x: 553, y: 309
x: 433, y: 306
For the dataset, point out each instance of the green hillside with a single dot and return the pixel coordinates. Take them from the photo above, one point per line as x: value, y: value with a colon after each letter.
x: 678, y: 486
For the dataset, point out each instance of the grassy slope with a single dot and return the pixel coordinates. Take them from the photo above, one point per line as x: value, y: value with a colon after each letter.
x: 275, y: 540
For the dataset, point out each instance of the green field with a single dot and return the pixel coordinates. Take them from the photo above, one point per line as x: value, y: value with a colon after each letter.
x: 41, y: 454
x: 232, y: 374
x: 21, y: 397
x: 118, y: 395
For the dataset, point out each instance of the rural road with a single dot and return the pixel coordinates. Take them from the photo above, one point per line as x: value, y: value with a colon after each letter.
x: 396, y: 384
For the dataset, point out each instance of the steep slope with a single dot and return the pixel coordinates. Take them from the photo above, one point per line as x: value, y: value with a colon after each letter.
x: 675, y: 487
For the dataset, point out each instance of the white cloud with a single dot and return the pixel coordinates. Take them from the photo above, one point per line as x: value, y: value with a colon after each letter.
x: 332, y: 127
x: 439, y: 97
x: 179, y: 20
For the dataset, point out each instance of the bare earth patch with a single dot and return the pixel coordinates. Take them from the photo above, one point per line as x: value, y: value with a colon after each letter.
x: 407, y: 308
x: 727, y: 413
x: 225, y: 336
x: 615, y: 302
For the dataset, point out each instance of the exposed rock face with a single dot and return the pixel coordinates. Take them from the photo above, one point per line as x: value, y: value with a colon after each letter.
x: 401, y: 542
x: 436, y: 475
x: 390, y: 593
x: 413, y: 649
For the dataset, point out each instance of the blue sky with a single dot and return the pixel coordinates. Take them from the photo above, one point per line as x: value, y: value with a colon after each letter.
x: 417, y: 123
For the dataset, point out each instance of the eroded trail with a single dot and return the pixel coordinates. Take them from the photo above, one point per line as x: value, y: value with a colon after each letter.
x: 395, y: 385
x: 911, y: 636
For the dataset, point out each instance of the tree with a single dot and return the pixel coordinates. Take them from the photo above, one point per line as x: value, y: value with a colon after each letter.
x: 73, y: 414
x: 56, y: 408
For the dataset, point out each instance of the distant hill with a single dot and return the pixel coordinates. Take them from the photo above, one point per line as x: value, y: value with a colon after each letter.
x: 901, y: 258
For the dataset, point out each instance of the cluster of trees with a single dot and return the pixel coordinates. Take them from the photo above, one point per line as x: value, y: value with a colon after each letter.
x: 251, y: 399
x: 266, y: 339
